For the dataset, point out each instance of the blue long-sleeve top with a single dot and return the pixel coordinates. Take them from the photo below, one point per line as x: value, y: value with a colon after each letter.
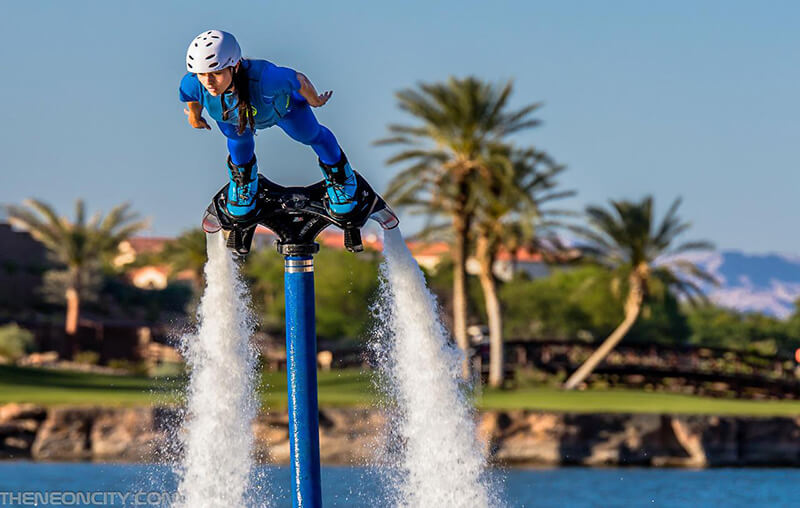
x: 271, y: 90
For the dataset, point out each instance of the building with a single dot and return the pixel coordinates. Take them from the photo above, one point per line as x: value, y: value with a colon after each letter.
x: 148, y: 276
x: 130, y: 249
x: 23, y: 262
x: 507, y: 265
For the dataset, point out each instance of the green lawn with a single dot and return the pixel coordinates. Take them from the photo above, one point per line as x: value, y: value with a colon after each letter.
x: 346, y: 387
x: 350, y: 387
x: 631, y: 401
x: 55, y: 387
x: 50, y: 387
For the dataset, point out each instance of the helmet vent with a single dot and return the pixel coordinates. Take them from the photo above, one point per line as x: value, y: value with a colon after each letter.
x: 211, y: 51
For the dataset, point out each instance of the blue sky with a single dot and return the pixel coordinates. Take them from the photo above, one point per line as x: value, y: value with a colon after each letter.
x: 683, y: 98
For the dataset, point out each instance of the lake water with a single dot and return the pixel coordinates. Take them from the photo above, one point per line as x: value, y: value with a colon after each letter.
x: 57, y: 484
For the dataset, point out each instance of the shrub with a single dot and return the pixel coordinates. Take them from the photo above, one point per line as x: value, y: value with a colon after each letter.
x: 86, y: 357
x: 135, y: 368
x: 15, y: 342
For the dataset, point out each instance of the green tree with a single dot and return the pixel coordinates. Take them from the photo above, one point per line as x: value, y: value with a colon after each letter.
x: 187, y: 252
x: 511, y: 213
x: 81, y: 245
x: 579, y: 302
x: 714, y: 326
x: 264, y: 271
x: 566, y: 304
x: 458, y: 121
x: 344, y: 286
x: 627, y: 241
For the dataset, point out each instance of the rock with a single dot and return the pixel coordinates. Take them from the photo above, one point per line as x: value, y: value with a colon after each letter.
x: 349, y: 436
x: 358, y: 436
x: 18, y: 446
x: 690, y: 451
x: 126, y: 434
x: 270, y: 433
x: 279, y: 454
x: 18, y: 426
x: 16, y: 411
x: 769, y: 441
x: 718, y: 437
x: 635, y: 443
x: 16, y: 438
x: 528, y: 437
x: 38, y: 359
x: 488, y: 428
x: 64, y: 435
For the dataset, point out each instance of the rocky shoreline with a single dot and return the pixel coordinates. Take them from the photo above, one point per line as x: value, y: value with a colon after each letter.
x: 351, y: 436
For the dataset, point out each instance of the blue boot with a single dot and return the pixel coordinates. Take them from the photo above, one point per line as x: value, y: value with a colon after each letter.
x: 242, y: 188
x: 340, y: 182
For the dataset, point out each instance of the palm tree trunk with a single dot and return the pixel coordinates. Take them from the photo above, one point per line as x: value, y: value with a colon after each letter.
x: 493, y: 313
x: 73, y: 306
x: 633, y: 306
x: 73, y: 298
x: 461, y: 226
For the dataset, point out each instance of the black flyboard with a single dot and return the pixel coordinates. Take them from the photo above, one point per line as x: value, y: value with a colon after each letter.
x: 297, y: 215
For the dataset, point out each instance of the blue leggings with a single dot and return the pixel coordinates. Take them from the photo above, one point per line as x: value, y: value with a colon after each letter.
x: 299, y: 123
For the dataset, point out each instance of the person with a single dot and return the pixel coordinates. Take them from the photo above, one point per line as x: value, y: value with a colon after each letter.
x: 244, y: 95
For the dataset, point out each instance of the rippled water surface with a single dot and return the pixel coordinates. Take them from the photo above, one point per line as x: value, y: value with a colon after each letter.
x: 355, y: 487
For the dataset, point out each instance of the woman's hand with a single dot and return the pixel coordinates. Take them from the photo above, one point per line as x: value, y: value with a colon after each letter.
x: 319, y: 100
x: 310, y: 94
x: 194, y: 111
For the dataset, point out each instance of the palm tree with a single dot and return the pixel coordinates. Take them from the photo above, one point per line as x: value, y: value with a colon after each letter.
x: 79, y: 245
x: 187, y: 252
x: 626, y: 240
x: 510, y: 216
x: 458, y: 121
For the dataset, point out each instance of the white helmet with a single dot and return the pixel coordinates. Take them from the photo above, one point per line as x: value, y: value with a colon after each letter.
x: 211, y: 51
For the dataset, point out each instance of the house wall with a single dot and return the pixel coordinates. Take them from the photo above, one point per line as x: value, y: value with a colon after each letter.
x: 23, y: 262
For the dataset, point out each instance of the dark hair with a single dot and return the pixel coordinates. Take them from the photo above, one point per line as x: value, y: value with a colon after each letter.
x: 242, y: 87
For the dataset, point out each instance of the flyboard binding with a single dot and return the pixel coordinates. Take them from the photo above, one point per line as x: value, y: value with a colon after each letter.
x: 296, y: 215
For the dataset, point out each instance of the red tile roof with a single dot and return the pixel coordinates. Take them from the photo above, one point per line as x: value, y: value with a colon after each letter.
x: 522, y: 256
x: 334, y: 238
x: 428, y: 249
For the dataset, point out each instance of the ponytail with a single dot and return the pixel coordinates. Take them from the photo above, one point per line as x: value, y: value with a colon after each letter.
x: 242, y: 87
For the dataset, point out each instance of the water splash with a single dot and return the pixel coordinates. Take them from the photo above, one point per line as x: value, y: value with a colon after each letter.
x: 439, y: 462
x: 218, y: 440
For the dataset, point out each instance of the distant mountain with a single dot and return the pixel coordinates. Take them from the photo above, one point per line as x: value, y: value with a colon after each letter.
x: 768, y: 283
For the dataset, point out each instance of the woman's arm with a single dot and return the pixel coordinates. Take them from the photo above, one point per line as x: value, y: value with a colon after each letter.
x: 194, y: 110
x: 309, y: 93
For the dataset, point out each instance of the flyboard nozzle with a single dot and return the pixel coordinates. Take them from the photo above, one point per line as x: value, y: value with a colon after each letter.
x: 211, y: 223
x: 385, y: 217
